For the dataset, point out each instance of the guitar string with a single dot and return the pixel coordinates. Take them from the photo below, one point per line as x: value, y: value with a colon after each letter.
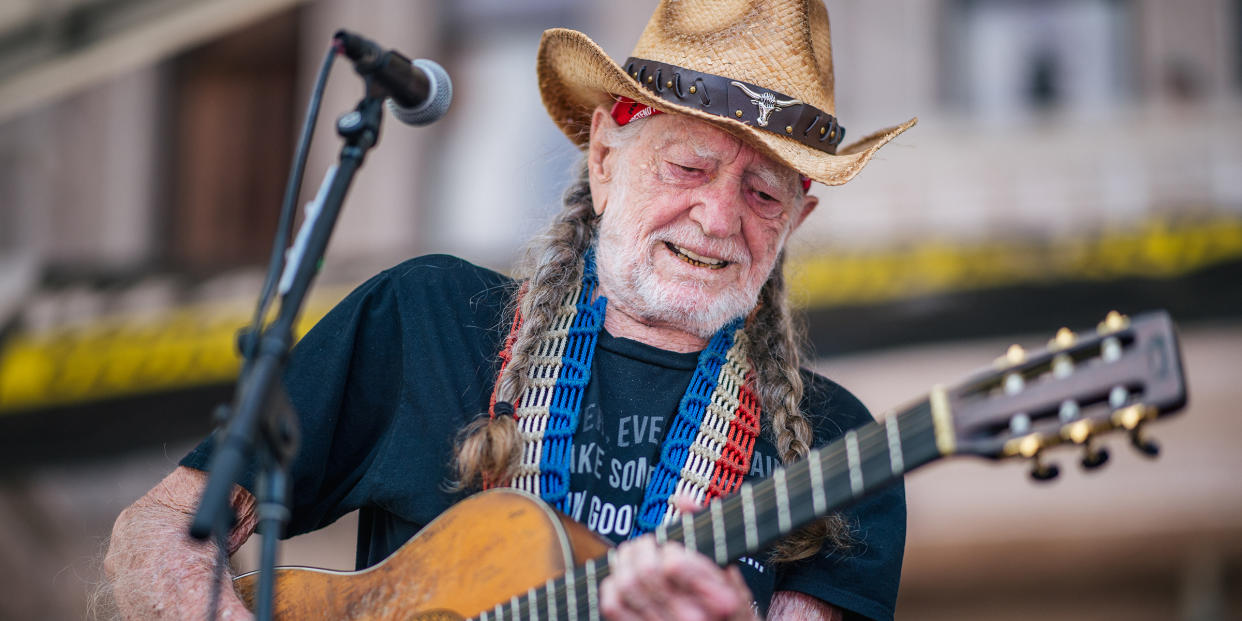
x: 917, y: 423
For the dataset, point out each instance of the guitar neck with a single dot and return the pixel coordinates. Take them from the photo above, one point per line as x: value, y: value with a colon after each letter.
x: 831, y: 477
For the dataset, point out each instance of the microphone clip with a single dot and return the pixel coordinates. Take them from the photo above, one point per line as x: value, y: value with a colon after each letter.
x: 388, y: 73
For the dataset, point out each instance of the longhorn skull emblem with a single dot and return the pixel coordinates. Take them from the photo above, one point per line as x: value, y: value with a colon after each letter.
x: 766, y: 101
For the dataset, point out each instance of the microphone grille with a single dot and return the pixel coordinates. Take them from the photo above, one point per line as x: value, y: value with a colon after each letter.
x: 438, y: 99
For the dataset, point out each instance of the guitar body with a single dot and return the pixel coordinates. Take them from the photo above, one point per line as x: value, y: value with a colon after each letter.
x: 479, y: 553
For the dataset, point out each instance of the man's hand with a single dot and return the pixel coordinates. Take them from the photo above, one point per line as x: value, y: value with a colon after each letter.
x: 653, y: 582
x: 157, y: 571
x: 649, y: 581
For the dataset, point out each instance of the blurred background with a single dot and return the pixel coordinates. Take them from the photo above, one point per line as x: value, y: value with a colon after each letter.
x: 1072, y: 157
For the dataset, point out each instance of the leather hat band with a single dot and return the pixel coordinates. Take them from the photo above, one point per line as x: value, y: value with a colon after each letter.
x: 744, y: 102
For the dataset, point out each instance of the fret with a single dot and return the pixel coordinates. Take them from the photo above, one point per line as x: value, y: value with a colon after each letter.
x: 765, y: 510
x: 661, y: 535
x: 592, y: 592
x: 551, y: 591
x: 571, y: 595
x: 499, y: 612
x: 918, y: 436
x: 782, y: 502
x: 514, y: 608
x: 895, y: 459
x: 534, y: 604
x: 718, y: 532
x: 687, y: 530
x: 818, y: 502
x: 852, y: 462
x: 748, y: 517
x: 483, y: 616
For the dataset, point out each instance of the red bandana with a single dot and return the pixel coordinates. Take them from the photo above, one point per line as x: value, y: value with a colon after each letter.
x: 626, y: 110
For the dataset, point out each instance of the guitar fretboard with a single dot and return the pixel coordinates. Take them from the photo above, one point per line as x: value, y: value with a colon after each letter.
x: 830, y: 478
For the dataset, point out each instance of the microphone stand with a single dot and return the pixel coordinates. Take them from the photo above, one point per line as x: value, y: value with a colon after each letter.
x: 256, y: 429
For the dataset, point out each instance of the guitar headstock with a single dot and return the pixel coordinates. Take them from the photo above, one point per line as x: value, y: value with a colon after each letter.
x: 1118, y: 377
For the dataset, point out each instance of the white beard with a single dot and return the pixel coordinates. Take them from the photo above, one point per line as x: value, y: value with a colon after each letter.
x: 626, y: 271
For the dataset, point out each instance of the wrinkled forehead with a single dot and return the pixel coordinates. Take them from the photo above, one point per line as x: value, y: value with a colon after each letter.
x: 680, y: 132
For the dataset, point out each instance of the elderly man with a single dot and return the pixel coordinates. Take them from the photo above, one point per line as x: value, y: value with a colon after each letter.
x: 642, y: 364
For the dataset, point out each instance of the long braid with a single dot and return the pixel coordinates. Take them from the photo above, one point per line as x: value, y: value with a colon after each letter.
x: 776, y: 358
x: 489, y: 448
x: 775, y: 354
x: 551, y: 265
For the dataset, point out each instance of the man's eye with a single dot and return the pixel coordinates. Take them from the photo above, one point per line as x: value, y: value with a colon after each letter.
x: 688, y: 169
x: 766, y: 205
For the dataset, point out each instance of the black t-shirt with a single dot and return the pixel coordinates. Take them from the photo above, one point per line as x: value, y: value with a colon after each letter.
x: 384, y: 382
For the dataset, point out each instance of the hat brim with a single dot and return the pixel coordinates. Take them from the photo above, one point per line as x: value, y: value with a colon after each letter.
x: 576, y: 76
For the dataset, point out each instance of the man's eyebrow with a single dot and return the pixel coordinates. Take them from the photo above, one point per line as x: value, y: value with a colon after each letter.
x: 772, y: 175
x: 696, y: 147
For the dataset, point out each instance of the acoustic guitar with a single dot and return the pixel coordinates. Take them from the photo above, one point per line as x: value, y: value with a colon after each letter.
x: 544, y: 566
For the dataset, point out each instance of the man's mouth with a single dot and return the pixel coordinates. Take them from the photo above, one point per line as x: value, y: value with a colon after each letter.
x: 695, y: 259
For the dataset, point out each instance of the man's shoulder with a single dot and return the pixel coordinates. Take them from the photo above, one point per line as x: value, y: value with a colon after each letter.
x: 442, y: 278
x: 442, y: 269
x: 431, y: 290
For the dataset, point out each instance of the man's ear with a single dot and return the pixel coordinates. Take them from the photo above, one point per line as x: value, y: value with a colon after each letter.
x: 600, y: 160
x: 809, y: 202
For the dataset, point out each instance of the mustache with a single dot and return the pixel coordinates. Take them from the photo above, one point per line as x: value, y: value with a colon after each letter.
x: 691, y: 238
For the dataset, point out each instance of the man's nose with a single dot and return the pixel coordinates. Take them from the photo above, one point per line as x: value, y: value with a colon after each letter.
x: 719, y: 207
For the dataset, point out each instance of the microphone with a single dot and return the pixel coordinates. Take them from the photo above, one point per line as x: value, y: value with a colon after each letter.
x: 419, y: 91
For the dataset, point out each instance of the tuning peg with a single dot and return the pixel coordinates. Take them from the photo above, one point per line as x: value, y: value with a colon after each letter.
x: 1062, y: 366
x: 1020, y: 424
x: 1117, y: 397
x: 1132, y: 418
x: 1064, y: 339
x: 1113, y: 322
x: 1093, y: 457
x: 1030, y: 447
x: 1144, y: 444
x: 1069, y: 411
x: 1110, y: 349
x: 1080, y: 433
x: 1013, y: 383
x: 1041, y: 471
x: 1015, y: 355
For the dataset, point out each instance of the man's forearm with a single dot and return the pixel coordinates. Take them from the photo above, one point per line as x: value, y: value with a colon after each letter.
x: 156, y: 570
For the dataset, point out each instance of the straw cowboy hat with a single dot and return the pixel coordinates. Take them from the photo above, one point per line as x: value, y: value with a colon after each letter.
x: 759, y: 69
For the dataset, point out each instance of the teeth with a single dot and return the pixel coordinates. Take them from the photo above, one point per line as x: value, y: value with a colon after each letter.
x: 698, y: 257
x: 693, y: 258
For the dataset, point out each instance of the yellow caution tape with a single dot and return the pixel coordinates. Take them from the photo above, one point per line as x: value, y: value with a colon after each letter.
x: 1156, y: 249
x: 132, y: 354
